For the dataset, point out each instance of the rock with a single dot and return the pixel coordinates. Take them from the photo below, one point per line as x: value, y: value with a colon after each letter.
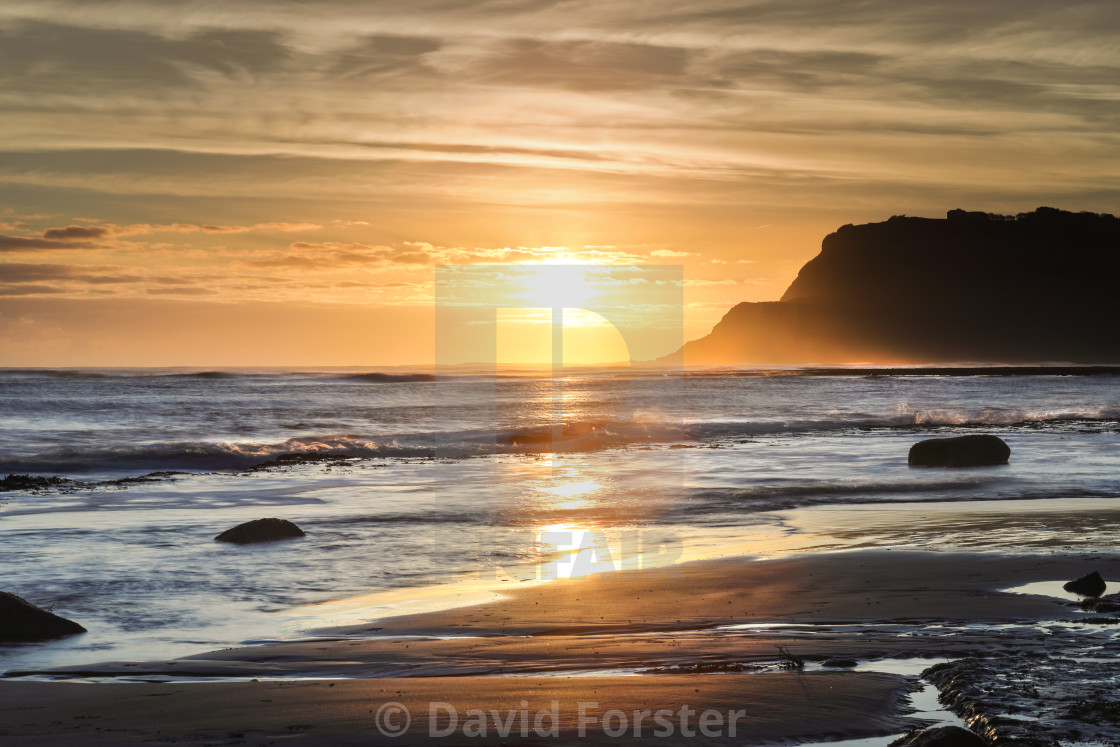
x: 260, y: 530
x: 21, y: 621
x: 944, y: 736
x: 962, y: 451
x: 1090, y: 585
x: 29, y: 482
x: 1037, y: 286
x: 839, y: 661
x: 1106, y: 605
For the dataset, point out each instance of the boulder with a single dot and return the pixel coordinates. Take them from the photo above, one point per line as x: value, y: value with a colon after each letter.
x: 260, y: 530
x: 943, y: 736
x: 21, y: 621
x: 839, y: 661
x: 1089, y: 585
x: 962, y: 451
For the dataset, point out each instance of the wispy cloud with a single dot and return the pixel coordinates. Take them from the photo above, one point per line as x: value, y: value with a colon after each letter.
x: 31, y: 243
x: 390, y: 138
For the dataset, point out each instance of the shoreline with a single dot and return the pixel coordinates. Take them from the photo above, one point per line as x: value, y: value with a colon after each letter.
x: 983, y: 528
x: 708, y: 638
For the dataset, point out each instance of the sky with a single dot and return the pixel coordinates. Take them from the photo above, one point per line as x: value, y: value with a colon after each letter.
x: 277, y: 183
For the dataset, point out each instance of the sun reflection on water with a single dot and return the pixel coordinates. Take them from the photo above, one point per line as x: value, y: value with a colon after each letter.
x: 576, y: 494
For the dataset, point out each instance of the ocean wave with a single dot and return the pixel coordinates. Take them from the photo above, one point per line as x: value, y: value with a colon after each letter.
x: 572, y: 436
x: 384, y: 378
x: 1003, y: 417
x: 910, y: 419
x: 195, y: 455
x: 52, y: 373
x: 576, y: 436
x: 217, y: 375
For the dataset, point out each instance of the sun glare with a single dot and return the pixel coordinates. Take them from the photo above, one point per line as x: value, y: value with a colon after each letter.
x: 572, y: 552
x: 559, y: 286
x: 575, y: 495
x: 524, y: 337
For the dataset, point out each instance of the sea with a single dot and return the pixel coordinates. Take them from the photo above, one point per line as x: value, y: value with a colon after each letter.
x: 420, y: 490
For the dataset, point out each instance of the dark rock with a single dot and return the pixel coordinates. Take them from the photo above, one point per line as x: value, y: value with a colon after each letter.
x: 968, y: 287
x: 296, y: 459
x: 1111, y: 603
x: 962, y: 451
x: 260, y: 530
x: 30, y: 482
x: 944, y: 736
x: 21, y: 621
x: 839, y: 661
x: 1090, y: 585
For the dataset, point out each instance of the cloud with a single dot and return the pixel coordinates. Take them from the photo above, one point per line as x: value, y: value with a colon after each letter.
x: 381, y: 56
x: 77, y: 232
x: 181, y: 292
x: 282, y: 227
x: 329, y: 253
x: 22, y: 243
x: 697, y: 282
x: 583, y: 65
x: 26, y: 272
x: 51, y: 58
x: 104, y: 230
x: 18, y: 289
x: 495, y: 127
x: 30, y: 278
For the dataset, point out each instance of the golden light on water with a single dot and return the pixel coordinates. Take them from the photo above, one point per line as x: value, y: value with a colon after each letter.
x: 571, y: 551
x: 575, y: 494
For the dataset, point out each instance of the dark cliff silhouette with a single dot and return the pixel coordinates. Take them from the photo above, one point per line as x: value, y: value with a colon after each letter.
x: 1042, y: 286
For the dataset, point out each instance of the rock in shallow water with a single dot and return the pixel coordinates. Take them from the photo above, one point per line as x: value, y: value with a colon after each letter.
x: 839, y: 661
x: 260, y: 530
x: 21, y: 621
x: 30, y: 482
x: 962, y: 451
x: 944, y: 736
x: 1089, y: 585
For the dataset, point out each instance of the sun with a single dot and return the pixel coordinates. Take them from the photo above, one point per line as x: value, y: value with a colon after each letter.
x: 558, y: 286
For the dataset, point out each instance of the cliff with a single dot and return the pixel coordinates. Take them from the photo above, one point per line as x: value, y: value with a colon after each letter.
x: 1037, y: 287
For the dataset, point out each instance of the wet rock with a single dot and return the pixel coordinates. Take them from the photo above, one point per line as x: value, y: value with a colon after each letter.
x: 1089, y: 585
x: 944, y: 736
x: 21, y: 621
x: 297, y: 459
x: 1034, y: 700
x: 1111, y: 603
x: 839, y: 661
x: 260, y: 530
x: 962, y: 451
x: 30, y: 482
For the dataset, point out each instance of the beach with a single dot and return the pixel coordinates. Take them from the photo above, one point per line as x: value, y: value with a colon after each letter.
x: 708, y: 640
x: 793, y: 579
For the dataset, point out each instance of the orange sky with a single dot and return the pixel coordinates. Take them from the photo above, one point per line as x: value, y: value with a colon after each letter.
x: 261, y: 184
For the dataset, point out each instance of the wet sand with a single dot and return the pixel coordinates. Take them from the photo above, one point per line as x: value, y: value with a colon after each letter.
x: 775, y: 708
x: 706, y: 635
